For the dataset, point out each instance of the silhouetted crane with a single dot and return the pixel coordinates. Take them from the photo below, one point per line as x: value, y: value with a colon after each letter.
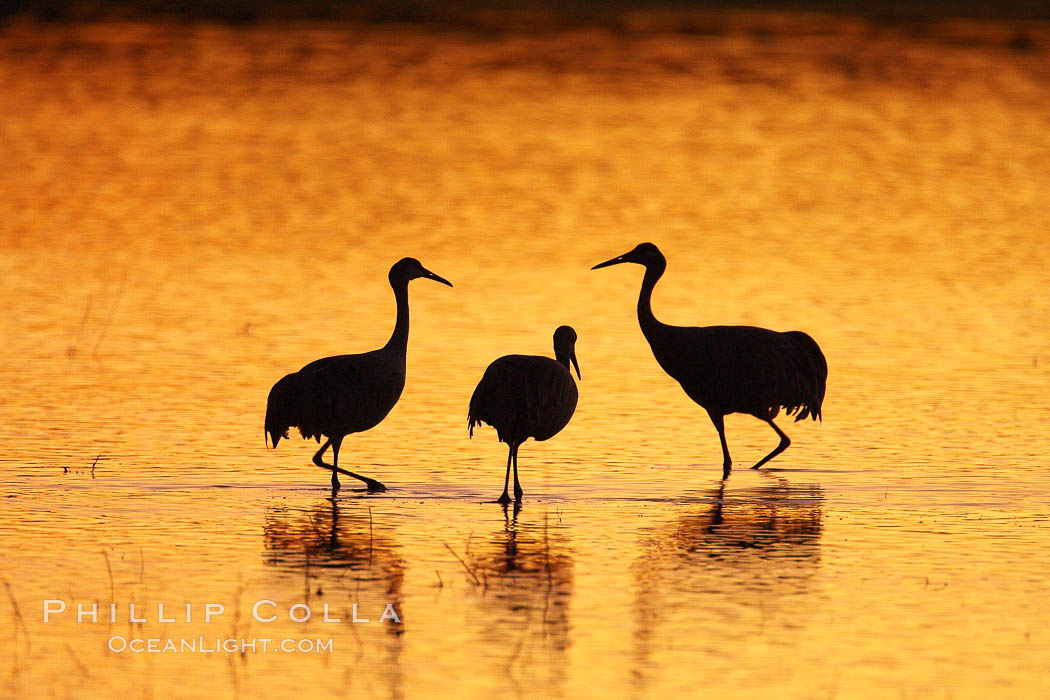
x: 732, y: 369
x: 527, y: 396
x: 336, y: 396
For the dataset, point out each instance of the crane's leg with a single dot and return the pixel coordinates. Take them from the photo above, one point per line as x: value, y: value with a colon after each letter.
x: 784, y: 442
x: 319, y: 461
x: 372, y: 485
x: 720, y: 425
x: 505, y: 499
x: 518, y: 493
x: 336, y: 444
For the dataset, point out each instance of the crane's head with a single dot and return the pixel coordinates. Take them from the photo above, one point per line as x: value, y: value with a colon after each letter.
x: 407, y: 269
x: 645, y: 254
x: 565, y: 347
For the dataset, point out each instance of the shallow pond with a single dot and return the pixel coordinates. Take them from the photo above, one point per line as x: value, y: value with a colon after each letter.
x: 187, y: 214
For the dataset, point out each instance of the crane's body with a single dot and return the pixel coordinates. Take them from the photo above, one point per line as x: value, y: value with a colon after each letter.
x: 336, y: 396
x: 350, y: 393
x: 526, y: 396
x: 742, y: 369
x: 732, y: 369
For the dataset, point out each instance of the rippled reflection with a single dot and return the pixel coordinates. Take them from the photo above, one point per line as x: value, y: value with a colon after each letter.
x: 523, y: 575
x: 341, y: 557
x: 772, y: 522
x: 737, y: 552
x: 335, y: 549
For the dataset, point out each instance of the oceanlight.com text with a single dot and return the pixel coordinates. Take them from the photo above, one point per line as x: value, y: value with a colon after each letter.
x: 219, y: 645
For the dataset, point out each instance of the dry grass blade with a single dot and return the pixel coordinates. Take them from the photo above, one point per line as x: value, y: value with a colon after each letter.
x: 470, y: 572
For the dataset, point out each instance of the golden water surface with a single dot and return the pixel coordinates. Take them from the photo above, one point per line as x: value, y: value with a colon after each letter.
x: 188, y: 213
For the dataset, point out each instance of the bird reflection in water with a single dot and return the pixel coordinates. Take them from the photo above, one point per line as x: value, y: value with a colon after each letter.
x: 339, y: 557
x: 524, y: 579
x: 336, y: 550
x: 773, y: 522
x: 748, y: 557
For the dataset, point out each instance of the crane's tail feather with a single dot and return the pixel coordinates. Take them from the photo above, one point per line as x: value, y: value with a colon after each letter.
x: 472, y: 422
x: 282, y: 408
x: 480, y: 410
x: 813, y: 376
x: 473, y: 408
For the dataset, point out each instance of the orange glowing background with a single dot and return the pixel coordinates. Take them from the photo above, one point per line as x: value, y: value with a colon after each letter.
x: 188, y: 212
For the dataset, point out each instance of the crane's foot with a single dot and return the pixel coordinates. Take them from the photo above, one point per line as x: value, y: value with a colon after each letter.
x: 517, y: 495
x: 504, y: 499
x: 726, y: 470
x: 373, y: 486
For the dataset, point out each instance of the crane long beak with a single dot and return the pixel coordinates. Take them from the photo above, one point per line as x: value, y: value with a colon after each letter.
x: 615, y: 261
x: 437, y: 278
x: 575, y: 364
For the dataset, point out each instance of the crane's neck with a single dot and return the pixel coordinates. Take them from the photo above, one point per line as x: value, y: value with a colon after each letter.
x: 646, y: 319
x: 399, y: 338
